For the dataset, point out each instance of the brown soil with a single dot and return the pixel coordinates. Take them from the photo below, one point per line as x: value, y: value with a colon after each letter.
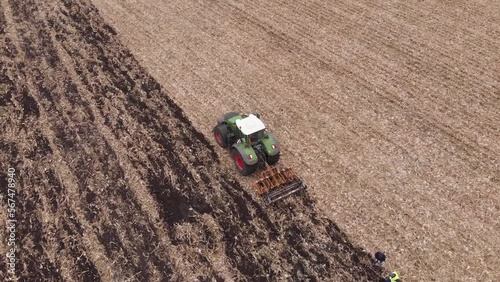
x: 113, y: 181
x: 388, y: 109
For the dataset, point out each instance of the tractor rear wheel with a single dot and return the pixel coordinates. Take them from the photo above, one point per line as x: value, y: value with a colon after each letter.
x: 273, y: 159
x: 220, y: 134
x: 240, y: 164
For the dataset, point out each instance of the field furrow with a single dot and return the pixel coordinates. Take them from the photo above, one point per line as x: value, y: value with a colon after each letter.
x: 113, y: 181
x: 389, y: 110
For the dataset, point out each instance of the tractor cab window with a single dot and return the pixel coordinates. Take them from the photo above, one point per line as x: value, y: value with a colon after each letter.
x: 256, y: 136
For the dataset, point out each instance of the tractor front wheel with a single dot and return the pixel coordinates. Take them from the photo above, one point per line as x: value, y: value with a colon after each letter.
x: 220, y: 134
x: 230, y: 115
x: 240, y: 164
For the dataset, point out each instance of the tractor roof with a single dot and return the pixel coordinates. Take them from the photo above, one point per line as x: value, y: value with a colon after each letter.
x: 250, y: 124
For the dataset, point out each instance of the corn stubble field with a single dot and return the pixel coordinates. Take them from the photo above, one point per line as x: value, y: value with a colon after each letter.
x: 389, y: 110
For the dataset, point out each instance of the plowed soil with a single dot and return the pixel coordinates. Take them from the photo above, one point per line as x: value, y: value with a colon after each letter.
x: 390, y: 110
x: 115, y: 184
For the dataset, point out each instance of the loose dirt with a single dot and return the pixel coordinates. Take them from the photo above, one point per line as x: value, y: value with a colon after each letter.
x: 115, y: 184
x: 388, y: 109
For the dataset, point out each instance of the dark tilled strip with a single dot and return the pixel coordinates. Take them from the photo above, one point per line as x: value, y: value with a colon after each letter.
x: 239, y: 211
x: 67, y: 137
x: 236, y: 216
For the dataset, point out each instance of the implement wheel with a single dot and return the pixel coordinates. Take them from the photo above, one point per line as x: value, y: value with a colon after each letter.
x: 240, y: 164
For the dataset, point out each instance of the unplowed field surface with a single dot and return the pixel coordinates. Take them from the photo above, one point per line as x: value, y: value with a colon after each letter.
x: 115, y: 184
x: 390, y: 110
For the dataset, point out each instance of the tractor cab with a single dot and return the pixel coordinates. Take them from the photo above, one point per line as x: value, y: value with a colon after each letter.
x: 252, y: 128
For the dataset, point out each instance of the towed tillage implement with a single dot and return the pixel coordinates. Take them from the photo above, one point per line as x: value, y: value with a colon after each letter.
x: 252, y: 145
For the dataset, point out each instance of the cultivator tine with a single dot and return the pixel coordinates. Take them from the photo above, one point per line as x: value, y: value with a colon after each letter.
x: 278, y: 183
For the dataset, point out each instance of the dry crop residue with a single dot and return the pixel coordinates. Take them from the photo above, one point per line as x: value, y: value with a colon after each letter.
x: 388, y: 109
x: 115, y: 184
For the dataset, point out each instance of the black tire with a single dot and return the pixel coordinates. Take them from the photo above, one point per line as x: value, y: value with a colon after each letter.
x: 243, y: 168
x: 220, y: 135
x: 230, y: 115
x: 273, y: 159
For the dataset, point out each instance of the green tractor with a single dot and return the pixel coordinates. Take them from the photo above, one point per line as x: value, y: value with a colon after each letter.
x: 253, y: 146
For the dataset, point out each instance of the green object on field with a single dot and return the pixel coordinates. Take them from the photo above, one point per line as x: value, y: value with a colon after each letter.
x: 393, y: 277
x: 251, y: 144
